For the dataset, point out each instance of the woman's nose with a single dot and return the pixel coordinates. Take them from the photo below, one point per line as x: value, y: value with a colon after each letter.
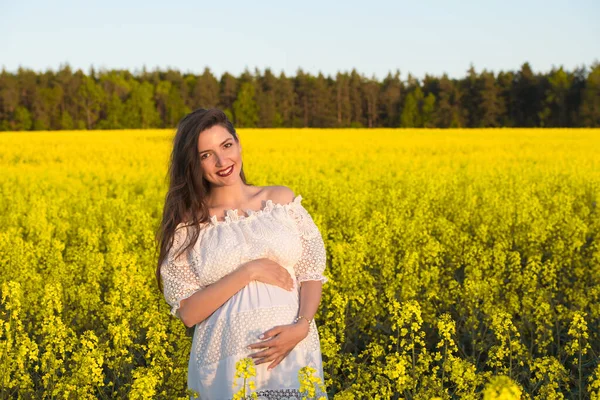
x: 219, y: 162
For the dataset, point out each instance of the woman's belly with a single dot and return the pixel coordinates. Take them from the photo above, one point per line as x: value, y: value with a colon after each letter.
x: 249, y: 313
x: 258, y: 295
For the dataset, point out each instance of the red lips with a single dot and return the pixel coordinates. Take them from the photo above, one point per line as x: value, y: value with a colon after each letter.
x: 230, y: 168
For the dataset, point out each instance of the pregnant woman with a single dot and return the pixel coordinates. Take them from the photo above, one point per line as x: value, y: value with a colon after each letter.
x: 242, y: 264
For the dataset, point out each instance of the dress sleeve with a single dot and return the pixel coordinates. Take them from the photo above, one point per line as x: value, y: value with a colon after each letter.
x: 179, y: 277
x: 311, y: 265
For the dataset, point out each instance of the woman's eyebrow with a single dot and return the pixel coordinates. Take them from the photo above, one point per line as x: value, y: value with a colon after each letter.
x: 222, y: 143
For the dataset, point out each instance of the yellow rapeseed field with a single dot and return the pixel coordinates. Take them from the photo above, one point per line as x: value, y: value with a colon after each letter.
x: 461, y: 263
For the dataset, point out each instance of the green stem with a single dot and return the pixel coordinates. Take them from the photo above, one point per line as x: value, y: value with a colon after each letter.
x: 413, y: 363
x: 398, y: 338
x: 509, y: 356
x: 4, y: 359
x: 580, y: 388
x: 444, y: 364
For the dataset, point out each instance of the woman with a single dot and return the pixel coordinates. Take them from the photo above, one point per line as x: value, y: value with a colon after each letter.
x: 234, y: 275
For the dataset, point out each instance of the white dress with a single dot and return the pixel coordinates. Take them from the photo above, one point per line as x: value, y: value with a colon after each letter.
x: 285, y: 233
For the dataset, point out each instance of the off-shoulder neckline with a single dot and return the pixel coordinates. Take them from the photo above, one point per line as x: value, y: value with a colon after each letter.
x: 233, y: 216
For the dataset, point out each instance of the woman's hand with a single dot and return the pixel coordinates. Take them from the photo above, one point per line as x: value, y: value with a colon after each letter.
x: 268, y: 271
x: 279, y: 342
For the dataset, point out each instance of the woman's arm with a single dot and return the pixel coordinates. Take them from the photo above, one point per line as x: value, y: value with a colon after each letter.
x: 203, y: 303
x: 200, y: 305
x: 310, y: 298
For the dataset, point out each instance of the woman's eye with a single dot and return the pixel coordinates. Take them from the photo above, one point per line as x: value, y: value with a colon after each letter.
x: 205, y: 155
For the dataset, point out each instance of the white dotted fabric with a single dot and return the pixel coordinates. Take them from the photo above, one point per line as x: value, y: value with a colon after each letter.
x: 285, y: 233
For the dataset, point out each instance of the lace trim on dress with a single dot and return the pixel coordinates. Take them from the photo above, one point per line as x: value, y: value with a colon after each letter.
x: 232, y: 215
x: 312, y: 277
x: 304, y: 222
x: 231, y: 336
x: 282, y: 394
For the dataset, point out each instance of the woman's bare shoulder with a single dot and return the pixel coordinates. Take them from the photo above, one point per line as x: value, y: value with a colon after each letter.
x: 280, y: 194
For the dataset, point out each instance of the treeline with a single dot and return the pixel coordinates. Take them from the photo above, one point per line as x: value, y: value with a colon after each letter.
x: 117, y: 99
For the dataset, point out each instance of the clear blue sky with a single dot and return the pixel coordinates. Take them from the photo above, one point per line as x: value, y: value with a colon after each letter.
x: 375, y: 36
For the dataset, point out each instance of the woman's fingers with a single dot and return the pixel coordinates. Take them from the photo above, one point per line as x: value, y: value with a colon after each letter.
x: 271, y: 354
x: 278, y: 360
x: 263, y: 360
x: 275, y: 362
x: 263, y: 353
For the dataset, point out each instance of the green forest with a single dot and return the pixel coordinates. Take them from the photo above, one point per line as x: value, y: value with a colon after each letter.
x: 120, y: 99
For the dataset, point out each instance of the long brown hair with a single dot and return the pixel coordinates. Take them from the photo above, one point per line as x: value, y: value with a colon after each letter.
x: 185, y: 198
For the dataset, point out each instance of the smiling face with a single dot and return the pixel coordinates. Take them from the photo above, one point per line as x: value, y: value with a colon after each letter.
x: 220, y: 155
